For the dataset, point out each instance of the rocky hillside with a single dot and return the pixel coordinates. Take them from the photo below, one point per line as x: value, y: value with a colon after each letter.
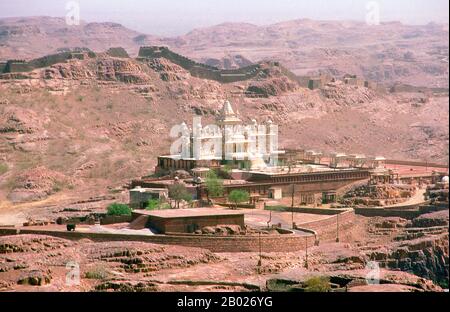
x: 98, y: 122
x: 31, y: 37
x: 390, y: 52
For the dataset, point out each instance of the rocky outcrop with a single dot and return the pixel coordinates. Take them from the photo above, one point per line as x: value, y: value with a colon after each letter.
x: 35, y: 278
x: 28, y: 260
x: 167, y: 70
x: 347, y: 282
x: 344, y: 95
x: 121, y: 70
x: 378, y: 195
x: 390, y: 223
x: 272, y: 87
x: 427, y: 257
x: 438, y: 218
x: 231, y: 229
x: 127, y: 286
x: 67, y: 71
x: 19, y: 121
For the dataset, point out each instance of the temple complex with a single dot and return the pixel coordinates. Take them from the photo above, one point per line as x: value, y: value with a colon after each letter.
x: 228, y: 141
x: 246, y: 157
x: 250, y: 156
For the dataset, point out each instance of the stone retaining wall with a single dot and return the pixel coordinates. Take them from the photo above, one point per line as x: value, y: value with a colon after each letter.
x: 115, y: 219
x: 406, y: 211
x: 321, y: 230
x: 415, y: 163
x: 268, y: 243
x: 327, y: 229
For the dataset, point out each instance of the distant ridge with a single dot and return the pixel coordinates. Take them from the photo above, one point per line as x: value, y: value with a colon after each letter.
x: 389, y: 53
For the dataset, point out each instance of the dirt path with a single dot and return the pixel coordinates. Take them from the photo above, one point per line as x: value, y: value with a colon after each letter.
x: 16, y: 214
x: 417, y: 198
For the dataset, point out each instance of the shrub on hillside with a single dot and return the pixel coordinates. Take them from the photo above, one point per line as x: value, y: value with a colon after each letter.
x: 318, y: 284
x: 3, y: 168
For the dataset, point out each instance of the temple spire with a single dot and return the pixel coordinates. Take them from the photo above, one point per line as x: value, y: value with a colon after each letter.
x: 227, y: 115
x: 227, y: 110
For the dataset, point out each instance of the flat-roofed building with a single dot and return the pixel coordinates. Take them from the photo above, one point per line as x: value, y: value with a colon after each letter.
x: 140, y: 196
x: 189, y: 220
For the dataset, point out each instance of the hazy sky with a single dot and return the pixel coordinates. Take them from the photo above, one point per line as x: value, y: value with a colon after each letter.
x: 173, y: 17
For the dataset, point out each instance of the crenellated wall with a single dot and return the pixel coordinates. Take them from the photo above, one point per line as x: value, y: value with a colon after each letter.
x: 201, y: 70
x: 15, y: 66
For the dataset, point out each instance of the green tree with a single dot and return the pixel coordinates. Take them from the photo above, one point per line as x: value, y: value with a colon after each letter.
x: 226, y: 170
x: 179, y: 192
x: 117, y: 209
x: 238, y: 196
x: 152, y: 204
x: 214, y: 185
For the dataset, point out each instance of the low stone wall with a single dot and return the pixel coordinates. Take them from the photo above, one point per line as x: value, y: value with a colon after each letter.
x: 325, y: 229
x: 319, y: 231
x: 415, y: 163
x: 330, y: 228
x: 319, y: 211
x: 12, y: 66
x: 433, y: 207
x: 268, y: 243
x: 115, y: 219
x: 407, y: 212
x: 383, y: 212
x: 230, y: 205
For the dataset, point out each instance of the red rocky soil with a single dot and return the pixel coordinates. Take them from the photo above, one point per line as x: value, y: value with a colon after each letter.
x: 405, y: 262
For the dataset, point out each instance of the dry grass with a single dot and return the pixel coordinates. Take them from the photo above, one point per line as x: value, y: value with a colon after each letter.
x: 3, y: 168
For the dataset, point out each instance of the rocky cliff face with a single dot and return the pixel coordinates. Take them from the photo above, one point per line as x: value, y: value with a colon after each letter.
x: 420, y: 246
x: 426, y: 257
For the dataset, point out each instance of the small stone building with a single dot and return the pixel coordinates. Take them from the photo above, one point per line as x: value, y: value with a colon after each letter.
x: 189, y: 220
x: 140, y: 196
x: 329, y: 197
x: 200, y: 172
x: 275, y: 193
